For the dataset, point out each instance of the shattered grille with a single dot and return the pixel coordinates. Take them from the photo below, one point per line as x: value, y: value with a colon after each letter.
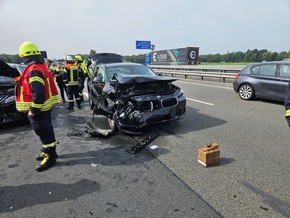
x: 169, y: 102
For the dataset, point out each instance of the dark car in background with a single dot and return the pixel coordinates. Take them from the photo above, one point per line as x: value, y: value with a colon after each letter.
x: 8, y: 112
x: 105, y: 58
x: 132, y: 96
x: 267, y: 80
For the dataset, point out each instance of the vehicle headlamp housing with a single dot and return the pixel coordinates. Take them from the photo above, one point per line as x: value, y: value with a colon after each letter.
x: 7, y: 99
x: 181, y: 93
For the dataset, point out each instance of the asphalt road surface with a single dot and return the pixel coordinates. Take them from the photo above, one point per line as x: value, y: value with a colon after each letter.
x: 96, y: 177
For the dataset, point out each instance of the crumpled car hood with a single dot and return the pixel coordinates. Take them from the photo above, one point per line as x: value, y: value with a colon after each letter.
x: 133, y: 79
x: 6, y: 70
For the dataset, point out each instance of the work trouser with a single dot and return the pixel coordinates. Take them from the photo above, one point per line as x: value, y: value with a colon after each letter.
x: 42, y: 126
x: 62, y: 89
x: 81, y: 87
x: 73, y: 92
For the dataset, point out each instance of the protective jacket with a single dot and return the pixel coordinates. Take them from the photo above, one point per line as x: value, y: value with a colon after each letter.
x: 51, y: 68
x: 287, y: 104
x: 36, y: 90
x: 85, y: 70
x: 71, y: 75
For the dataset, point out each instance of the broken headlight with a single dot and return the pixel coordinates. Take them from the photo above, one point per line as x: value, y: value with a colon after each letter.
x: 8, y: 99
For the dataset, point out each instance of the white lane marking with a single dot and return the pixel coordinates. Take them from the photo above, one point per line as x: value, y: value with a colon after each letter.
x: 201, y: 84
x: 202, y: 102
x: 85, y: 94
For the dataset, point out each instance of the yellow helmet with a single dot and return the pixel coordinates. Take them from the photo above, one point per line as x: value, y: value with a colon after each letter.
x: 28, y: 49
x: 78, y: 58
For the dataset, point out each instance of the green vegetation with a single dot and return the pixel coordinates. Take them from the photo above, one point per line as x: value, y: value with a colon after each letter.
x: 135, y: 58
x: 249, y: 56
x: 236, y: 58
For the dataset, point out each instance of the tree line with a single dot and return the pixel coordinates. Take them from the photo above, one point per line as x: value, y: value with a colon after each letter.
x: 254, y: 55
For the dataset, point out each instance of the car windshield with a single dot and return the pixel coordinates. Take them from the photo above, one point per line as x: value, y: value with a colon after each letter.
x: 130, y: 70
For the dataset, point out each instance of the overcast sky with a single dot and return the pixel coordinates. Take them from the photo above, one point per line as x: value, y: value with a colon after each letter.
x: 63, y: 27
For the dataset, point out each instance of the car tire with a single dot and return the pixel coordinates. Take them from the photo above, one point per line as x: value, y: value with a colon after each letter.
x: 91, y: 103
x: 246, y: 92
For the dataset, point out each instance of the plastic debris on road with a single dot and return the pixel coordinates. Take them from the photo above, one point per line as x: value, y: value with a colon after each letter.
x: 153, y: 147
x: 97, y: 132
x: 93, y: 165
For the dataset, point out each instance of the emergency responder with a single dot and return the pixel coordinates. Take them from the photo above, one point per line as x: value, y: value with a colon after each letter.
x: 89, y: 62
x: 82, y: 68
x: 287, y: 104
x: 71, y: 77
x: 58, y: 72
x: 49, y: 65
x: 36, y: 94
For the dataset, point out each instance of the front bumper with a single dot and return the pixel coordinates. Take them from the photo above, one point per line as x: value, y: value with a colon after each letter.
x: 9, y: 114
x: 152, y: 117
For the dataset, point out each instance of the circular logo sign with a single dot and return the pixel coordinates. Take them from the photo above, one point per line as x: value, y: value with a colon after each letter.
x: 192, y: 55
x: 154, y: 56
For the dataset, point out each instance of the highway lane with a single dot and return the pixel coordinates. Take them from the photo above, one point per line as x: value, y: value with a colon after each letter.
x: 253, y: 178
x: 251, y: 181
x: 93, y: 177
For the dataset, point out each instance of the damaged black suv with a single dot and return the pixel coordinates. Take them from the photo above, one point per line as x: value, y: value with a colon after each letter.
x: 132, y: 96
x: 8, y: 112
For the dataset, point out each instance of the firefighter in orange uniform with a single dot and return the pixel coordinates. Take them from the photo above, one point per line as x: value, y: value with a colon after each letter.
x: 36, y: 94
x: 71, y: 77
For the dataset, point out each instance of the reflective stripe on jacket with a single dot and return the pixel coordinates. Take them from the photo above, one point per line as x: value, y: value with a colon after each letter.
x: 24, y: 95
x: 71, y: 75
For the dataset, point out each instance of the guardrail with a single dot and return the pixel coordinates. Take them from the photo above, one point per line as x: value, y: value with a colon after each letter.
x: 223, y: 73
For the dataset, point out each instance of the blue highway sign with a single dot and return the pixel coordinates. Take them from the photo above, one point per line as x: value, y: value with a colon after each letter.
x: 143, y: 44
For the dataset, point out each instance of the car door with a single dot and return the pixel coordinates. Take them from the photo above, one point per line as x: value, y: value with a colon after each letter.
x: 99, y: 82
x: 282, y: 80
x: 264, y: 80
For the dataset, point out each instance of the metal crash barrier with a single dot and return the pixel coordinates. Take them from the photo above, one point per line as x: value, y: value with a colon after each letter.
x: 222, y: 73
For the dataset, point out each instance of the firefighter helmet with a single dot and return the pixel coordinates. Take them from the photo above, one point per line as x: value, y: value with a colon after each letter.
x: 28, y: 49
x: 78, y: 58
x: 68, y: 58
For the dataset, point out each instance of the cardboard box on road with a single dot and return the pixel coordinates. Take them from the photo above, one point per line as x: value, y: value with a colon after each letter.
x: 209, y: 155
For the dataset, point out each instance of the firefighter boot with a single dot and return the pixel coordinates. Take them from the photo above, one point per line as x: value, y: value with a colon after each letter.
x: 41, y: 155
x: 48, y: 160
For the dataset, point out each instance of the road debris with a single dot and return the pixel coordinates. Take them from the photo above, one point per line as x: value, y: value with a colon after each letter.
x: 209, y: 155
x: 12, y: 165
x: 153, y: 147
x: 97, y: 132
x: 141, y: 144
x: 93, y: 165
x: 74, y: 134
